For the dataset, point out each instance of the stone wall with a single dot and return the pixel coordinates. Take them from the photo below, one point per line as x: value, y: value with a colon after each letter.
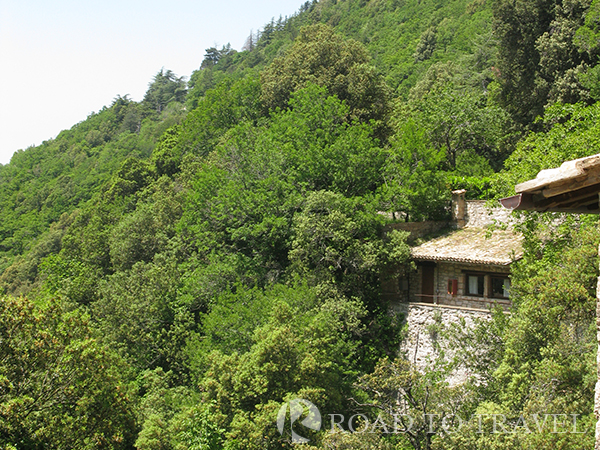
x: 419, y: 229
x: 418, y: 346
x: 456, y: 271
x: 478, y: 215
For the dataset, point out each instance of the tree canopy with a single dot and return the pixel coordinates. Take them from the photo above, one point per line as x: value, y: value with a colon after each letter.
x: 173, y: 271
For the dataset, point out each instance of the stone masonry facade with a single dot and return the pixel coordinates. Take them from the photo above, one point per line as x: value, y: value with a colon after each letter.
x: 467, y: 251
x: 456, y: 277
x: 445, y: 272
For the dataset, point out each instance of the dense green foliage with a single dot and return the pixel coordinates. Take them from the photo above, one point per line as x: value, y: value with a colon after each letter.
x: 193, y: 261
x: 60, y: 387
x: 43, y: 183
x: 543, y: 57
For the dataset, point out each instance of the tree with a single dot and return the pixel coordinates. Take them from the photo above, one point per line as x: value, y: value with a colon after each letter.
x: 211, y: 57
x: 166, y: 156
x: 426, y: 45
x: 540, y: 359
x: 586, y: 39
x: 219, y: 109
x: 214, y: 55
x: 165, y: 88
x: 320, y: 150
x: 251, y: 41
x: 341, y: 66
x: 337, y: 241
x: 171, y: 415
x: 538, y: 58
x: 304, y: 349
x: 138, y: 312
x: 518, y: 25
x: 562, y: 63
x: 59, y: 387
x: 568, y: 132
x: 414, y: 182
x: 549, y: 354
x: 409, y: 398
x: 247, y: 193
x: 457, y: 116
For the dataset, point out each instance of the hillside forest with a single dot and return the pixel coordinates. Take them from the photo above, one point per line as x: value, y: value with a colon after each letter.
x: 174, y: 270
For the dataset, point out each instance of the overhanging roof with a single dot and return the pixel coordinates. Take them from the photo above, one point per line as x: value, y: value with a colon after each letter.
x: 473, y: 246
x: 573, y: 187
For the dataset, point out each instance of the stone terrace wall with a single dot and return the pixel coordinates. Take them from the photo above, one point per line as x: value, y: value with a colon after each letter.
x: 419, y: 343
x: 419, y: 229
x: 477, y: 215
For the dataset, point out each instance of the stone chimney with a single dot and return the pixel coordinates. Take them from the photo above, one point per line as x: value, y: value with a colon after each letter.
x: 459, y: 208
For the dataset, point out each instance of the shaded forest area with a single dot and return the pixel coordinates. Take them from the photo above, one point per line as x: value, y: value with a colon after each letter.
x: 174, y: 270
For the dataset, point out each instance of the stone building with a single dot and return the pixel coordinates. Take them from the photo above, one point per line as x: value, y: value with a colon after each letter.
x: 460, y: 270
x: 467, y: 262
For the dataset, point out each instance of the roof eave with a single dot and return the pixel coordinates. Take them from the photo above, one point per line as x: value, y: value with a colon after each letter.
x: 501, y: 263
x: 528, y: 202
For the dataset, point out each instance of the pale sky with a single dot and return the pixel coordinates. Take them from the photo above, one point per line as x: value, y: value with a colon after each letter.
x: 61, y: 60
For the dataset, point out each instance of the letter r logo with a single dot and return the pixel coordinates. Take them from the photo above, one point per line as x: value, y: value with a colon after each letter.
x: 312, y: 421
